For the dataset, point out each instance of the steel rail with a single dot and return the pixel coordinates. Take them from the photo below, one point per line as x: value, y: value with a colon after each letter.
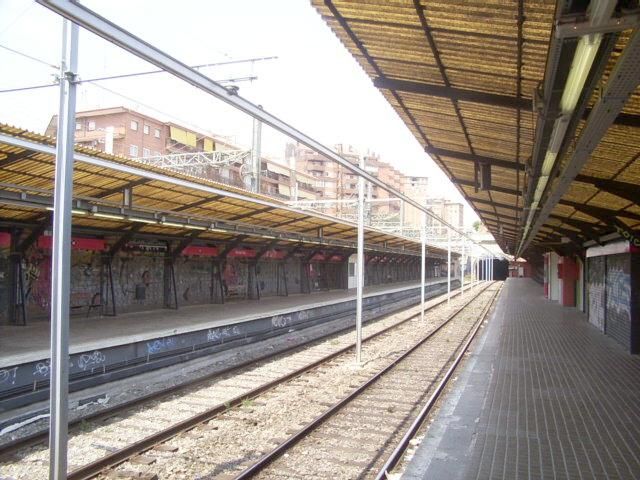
x: 398, y: 452
x: 270, y: 457
x: 93, y: 22
x: 93, y: 469
x: 40, y: 437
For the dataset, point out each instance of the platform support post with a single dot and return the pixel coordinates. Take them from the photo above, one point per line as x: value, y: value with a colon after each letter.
x: 360, y: 266
x: 491, y: 269
x: 423, y: 240
x: 61, y: 256
x: 462, y: 265
x: 448, y: 265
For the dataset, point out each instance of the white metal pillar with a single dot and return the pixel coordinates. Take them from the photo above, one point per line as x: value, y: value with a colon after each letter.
x: 423, y: 240
x: 448, y: 265
x: 360, y: 266
x: 61, y: 256
x: 255, y: 154
x: 462, y: 265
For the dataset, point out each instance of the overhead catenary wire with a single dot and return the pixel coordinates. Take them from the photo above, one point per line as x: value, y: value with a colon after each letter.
x: 30, y: 57
x: 135, y: 74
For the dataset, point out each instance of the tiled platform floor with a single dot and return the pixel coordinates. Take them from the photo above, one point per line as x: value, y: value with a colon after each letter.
x: 544, y: 395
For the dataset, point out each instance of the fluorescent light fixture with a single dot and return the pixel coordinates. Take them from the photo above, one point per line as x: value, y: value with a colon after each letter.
x: 557, y: 135
x: 73, y: 210
x: 174, y: 224
x: 194, y: 227
x: 268, y: 236
x: 142, y: 220
x: 108, y: 215
x: 580, y: 67
x: 542, y: 183
x: 547, y: 165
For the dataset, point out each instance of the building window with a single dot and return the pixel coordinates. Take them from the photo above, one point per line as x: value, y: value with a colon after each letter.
x: 133, y: 150
x: 78, y: 126
x: 146, y: 129
x: 156, y: 132
x: 91, y: 126
x: 146, y: 152
x: 134, y: 125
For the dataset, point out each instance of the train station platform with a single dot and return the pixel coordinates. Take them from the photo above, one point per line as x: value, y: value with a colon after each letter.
x: 542, y: 395
x: 134, y: 342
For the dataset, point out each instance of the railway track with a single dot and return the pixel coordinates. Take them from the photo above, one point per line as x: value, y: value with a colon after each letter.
x: 104, y: 444
x: 355, y: 437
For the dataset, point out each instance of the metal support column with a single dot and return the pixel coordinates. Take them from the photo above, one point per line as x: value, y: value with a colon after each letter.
x: 61, y: 256
x: 360, y: 266
x: 462, y: 265
x: 423, y: 240
x: 448, y: 265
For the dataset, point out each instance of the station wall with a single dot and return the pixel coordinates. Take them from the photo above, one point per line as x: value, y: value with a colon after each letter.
x: 613, y: 293
x: 139, y: 276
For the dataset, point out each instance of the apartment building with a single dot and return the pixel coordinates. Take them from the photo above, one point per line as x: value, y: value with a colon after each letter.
x: 451, y: 212
x: 415, y: 188
x: 332, y: 181
x: 125, y: 132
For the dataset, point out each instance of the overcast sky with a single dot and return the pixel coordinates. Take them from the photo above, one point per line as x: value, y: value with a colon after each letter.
x: 315, y: 84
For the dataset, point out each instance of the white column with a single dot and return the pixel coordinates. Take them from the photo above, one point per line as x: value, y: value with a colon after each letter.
x: 462, y: 265
x: 360, y: 266
x: 423, y: 239
x: 448, y: 265
x: 61, y: 256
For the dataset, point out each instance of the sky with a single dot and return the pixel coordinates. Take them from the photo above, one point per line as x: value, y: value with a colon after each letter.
x: 314, y: 84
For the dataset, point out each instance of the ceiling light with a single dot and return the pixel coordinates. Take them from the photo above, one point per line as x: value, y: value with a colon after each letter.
x: 78, y: 212
x: 108, y: 215
x: 142, y: 220
x: 580, y: 67
x: 194, y: 227
x: 173, y: 224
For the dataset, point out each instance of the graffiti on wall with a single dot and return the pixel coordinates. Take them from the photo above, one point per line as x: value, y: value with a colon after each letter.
x: 596, y: 292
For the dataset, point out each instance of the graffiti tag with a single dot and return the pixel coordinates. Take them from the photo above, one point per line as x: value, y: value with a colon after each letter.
x: 8, y: 376
x: 221, y: 333
x: 91, y: 359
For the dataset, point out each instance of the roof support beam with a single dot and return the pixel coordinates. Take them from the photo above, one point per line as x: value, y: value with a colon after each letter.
x: 452, y: 93
x: 608, y: 217
x: 122, y: 241
x: 494, y: 188
x: 506, y: 101
x: 588, y: 229
x: 198, y: 203
x: 250, y: 214
x: 441, y: 152
x: 35, y: 233
x: 230, y: 246
x: 628, y: 191
x: 493, y: 204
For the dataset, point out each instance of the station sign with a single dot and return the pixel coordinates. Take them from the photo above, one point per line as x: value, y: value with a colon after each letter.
x: 200, y: 251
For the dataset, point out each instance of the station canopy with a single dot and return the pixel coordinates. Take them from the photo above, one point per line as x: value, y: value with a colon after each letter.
x: 164, y: 203
x: 482, y: 84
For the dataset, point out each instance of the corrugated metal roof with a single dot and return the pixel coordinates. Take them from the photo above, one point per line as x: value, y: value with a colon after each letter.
x: 461, y: 75
x: 30, y: 172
